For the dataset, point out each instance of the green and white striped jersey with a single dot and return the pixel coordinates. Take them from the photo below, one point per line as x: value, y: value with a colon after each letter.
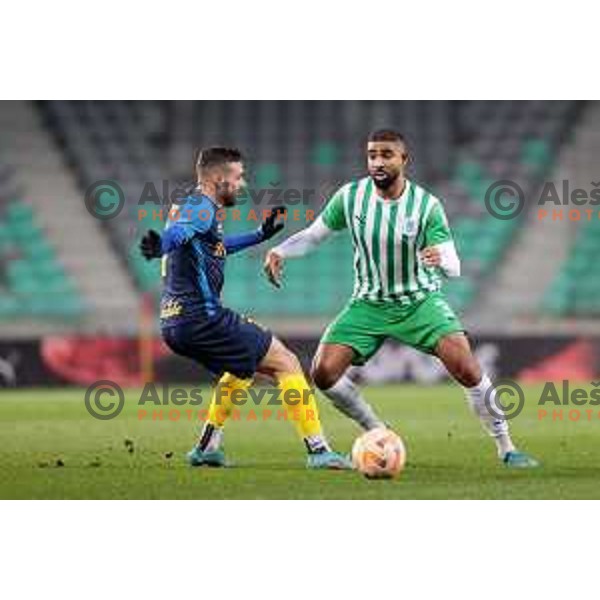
x: 386, y: 235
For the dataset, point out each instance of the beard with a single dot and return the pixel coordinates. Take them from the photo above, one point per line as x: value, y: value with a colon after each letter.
x: 226, y: 194
x: 383, y: 180
x: 228, y: 200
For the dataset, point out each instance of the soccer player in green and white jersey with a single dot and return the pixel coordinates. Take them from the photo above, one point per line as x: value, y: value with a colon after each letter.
x: 402, y: 250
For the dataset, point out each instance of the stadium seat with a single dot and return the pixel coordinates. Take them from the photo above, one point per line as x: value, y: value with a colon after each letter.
x: 576, y: 291
x: 36, y: 284
x: 316, y: 145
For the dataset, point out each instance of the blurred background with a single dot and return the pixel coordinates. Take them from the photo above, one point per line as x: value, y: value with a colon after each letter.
x: 78, y: 302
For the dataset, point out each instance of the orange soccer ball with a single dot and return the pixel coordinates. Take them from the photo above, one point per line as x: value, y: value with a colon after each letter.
x: 379, y: 454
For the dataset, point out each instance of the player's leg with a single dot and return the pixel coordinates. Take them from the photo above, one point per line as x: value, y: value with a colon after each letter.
x: 433, y: 327
x: 282, y: 364
x: 354, y: 336
x: 455, y: 352
x: 227, y: 344
x: 328, y: 372
x: 209, y: 447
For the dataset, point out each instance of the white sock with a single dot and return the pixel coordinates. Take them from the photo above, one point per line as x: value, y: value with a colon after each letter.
x: 346, y: 397
x: 497, y: 428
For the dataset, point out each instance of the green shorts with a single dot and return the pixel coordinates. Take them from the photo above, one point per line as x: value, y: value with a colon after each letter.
x: 364, y: 325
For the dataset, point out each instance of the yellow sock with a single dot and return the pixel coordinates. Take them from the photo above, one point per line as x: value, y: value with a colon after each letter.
x: 299, y: 401
x: 220, y: 405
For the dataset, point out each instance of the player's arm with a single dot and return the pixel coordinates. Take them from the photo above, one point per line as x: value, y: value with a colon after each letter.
x: 306, y: 240
x: 270, y: 227
x: 438, y: 248
x: 177, y: 234
x: 153, y: 245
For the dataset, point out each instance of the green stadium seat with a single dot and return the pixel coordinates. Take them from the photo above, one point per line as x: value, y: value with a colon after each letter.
x: 37, y: 249
x: 37, y: 283
x: 468, y: 172
x: 19, y: 213
x: 48, y: 270
x: 325, y: 154
x: 22, y: 231
x: 576, y: 289
x: 266, y: 174
x: 9, y: 306
x: 536, y: 153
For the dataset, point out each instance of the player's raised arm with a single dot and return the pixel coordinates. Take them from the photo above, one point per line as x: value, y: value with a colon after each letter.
x: 333, y: 218
x: 268, y: 229
x: 438, y: 246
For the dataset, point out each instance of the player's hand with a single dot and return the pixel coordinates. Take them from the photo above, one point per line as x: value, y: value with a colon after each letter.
x: 269, y: 226
x: 274, y: 267
x: 150, y: 245
x: 431, y: 257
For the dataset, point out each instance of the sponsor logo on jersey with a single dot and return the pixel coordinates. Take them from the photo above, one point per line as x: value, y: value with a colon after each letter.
x: 170, y: 309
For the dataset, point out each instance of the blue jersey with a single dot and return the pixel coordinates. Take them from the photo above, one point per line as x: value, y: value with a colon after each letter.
x: 194, y: 250
x: 192, y: 267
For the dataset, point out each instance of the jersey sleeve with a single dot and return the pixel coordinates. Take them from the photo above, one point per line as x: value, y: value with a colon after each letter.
x: 334, y: 215
x: 437, y: 229
x: 192, y: 220
x: 197, y: 218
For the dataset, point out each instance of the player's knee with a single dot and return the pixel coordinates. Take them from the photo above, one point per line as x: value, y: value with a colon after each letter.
x: 230, y: 382
x: 290, y: 362
x: 468, y: 373
x: 455, y: 353
x: 323, y: 376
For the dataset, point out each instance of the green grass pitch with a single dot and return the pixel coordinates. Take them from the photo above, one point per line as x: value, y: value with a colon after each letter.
x: 448, y: 455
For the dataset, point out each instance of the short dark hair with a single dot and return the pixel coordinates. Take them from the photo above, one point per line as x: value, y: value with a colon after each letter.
x: 386, y: 135
x: 216, y: 156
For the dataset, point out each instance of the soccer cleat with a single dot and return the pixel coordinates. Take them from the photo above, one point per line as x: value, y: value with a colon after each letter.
x: 328, y: 460
x: 214, y: 458
x: 519, y: 460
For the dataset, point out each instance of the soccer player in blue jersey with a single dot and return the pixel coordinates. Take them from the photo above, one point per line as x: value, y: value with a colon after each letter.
x: 195, y: 324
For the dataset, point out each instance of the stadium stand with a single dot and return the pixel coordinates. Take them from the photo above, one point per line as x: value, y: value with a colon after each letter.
x: 117, y: 141
x: 34, y: 282
x: 515, y: 141
x: 575, y: 289
x: 460, y: 148
x: 59, y: 272
x: 131, y: 142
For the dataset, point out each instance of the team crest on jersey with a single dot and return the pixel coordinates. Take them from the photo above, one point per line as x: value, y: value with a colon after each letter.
x: 219, y: 250
x: 410, y: 226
